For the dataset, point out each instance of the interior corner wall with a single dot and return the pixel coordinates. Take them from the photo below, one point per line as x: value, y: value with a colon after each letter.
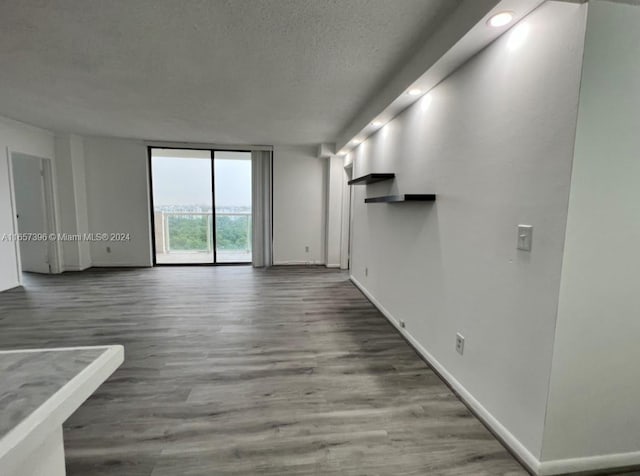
x: 80, y: 191
x: 298, y: 206
x: 72, y: 198
x: 16, y: 137
x: 66, y: 198
x: 595, y: 390
x: 333, y: 229
x: 495, y: 142
x: 117, y: 187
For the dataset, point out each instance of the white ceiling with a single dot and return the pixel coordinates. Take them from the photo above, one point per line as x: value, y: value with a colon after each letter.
x: 460, y: 36
x: 215, y: 71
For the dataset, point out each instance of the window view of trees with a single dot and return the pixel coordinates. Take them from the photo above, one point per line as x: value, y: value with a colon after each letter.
x: 189, y: 233
x: 232, y: 233
x: 190, y: 188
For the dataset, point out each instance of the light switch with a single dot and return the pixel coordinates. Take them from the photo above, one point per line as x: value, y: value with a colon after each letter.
x: 525, y: 237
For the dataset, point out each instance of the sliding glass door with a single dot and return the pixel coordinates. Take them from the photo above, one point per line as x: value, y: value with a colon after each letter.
x: 232, y: 171
x: 201, y: 202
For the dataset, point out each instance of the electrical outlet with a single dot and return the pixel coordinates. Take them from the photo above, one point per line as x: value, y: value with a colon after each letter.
x: 402, y: 324
x: 366, y: 271
x: 459, y: 343
x: 306, y: 249
x: 108, y: 249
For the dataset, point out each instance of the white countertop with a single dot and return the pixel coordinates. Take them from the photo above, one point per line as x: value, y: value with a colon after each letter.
x: 41, y: 388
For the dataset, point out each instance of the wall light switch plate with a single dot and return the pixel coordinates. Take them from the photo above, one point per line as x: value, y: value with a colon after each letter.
x: 459, y: 343
x: 525, y: 237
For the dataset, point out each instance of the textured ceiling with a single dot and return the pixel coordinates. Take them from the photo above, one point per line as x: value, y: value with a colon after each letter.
x: 219, y: 71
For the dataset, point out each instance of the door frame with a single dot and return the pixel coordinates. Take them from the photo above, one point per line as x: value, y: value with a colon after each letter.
x: 54, y: 251
x: 212, y: 151
x: 347, y: 213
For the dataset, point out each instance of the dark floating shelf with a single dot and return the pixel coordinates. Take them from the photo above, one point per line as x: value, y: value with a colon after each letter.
x: 371, y: 178
x: 409, y: 197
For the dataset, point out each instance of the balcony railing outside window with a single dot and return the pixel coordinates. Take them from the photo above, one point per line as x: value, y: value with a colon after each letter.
x: 191, y: 233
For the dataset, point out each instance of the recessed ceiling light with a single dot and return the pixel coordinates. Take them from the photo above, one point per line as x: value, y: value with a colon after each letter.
x: 377, y: 123
x: 500, y: 19
x: 356, y: 141
x: 414, y: 92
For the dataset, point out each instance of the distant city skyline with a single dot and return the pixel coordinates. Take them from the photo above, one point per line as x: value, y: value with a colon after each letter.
x: 183, y: 182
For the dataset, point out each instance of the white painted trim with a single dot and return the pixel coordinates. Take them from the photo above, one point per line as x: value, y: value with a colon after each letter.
x: 119, y: 264
x: 540, y: 468
x: 10, y: 288
x: 526, y: 457
x: 202, y: 145
x: 53, y: 213
x: 589, y: 463
x: 347, y: 214
x: 32, y: 432
x: 76, y: 267
x: 50, y: 187
x: 12, y: 194
x: 150, y: 211
x: 298, y: 263
x: 333, y: 265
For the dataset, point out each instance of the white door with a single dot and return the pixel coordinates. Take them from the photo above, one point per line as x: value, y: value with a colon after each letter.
x: 31, y: 212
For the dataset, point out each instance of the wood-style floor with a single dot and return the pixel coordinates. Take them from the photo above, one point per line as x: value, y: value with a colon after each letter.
x: 236, y: 371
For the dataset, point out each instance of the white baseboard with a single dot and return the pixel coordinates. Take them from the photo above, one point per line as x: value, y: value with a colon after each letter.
x: 526, y: 458
x: 11, y: 286
x: 298, y: 263
x: 123, y: 264
x: 514, y: 445
x: 333, y: 265
x: 590, y: 463
x: 75, y: 267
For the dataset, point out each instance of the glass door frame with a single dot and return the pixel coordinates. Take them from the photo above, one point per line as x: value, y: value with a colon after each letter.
x: 212, y: 151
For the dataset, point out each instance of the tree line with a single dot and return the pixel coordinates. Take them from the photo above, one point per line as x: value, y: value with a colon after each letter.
x: 188, y: 233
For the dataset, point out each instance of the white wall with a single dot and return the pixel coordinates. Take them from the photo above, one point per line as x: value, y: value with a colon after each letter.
x: 333, y: 223
x: 495, y: 142
x: 72, y: 197
x: 29, y: 140
x: 117, y: 183
x: 80, y: 192
x: 66, y: 197
x: 118, y: 201
x: 595, y: 389
x: 298, y: 206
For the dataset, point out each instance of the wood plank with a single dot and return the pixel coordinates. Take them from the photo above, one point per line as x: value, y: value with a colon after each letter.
x: 238, y: 371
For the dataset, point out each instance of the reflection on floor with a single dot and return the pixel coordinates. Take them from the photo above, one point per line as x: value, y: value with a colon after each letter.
x: 241, y: 371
